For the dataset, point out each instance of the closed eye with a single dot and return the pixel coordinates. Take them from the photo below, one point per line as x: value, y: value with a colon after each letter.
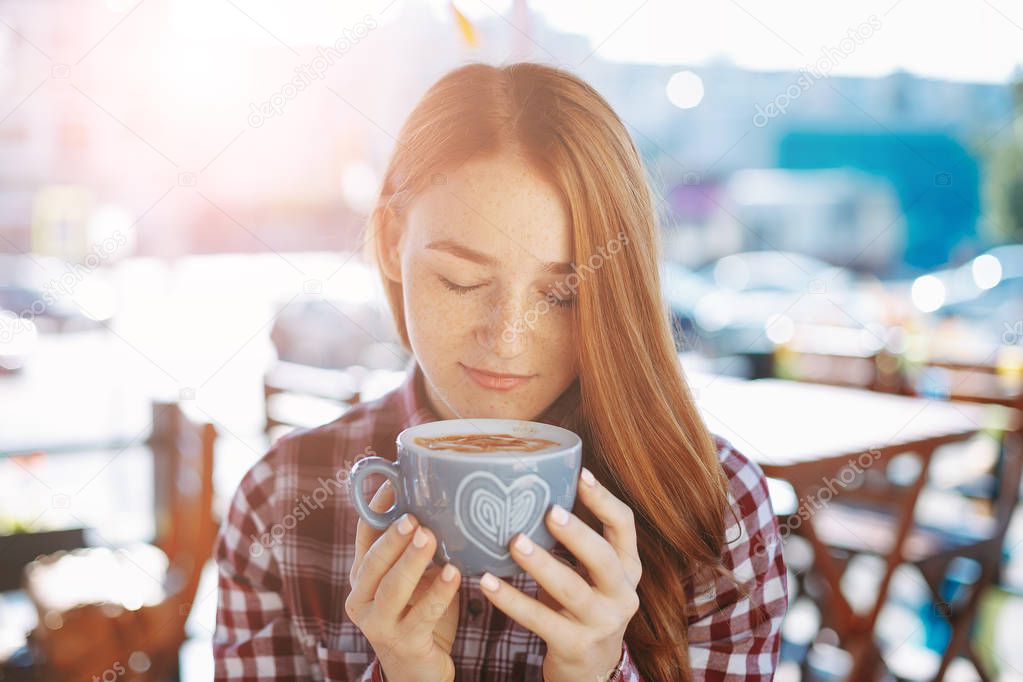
x: 459, y: 289
x: 561, y: 302
x: 451, y: 286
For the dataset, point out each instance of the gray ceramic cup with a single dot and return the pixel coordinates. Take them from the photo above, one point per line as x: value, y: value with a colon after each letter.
x: 476, y: 502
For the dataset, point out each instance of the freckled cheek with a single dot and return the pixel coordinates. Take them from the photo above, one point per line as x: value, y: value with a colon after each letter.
x: 557, y: 340
x: 560, y: 324
x: 436, y: 313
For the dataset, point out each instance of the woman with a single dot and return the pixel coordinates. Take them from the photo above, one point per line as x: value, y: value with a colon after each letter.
x: 518, y: 248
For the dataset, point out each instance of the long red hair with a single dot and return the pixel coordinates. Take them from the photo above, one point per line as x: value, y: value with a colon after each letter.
x: 645, y: 439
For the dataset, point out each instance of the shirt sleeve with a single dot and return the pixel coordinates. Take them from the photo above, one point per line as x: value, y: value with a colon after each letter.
x: 626, y: 670
x: 256, y: 640
x: 734, y: 631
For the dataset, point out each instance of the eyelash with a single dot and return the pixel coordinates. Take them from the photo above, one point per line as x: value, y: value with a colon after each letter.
x: 451, y: 286
x: 460, y: 290
x: 561, y: 302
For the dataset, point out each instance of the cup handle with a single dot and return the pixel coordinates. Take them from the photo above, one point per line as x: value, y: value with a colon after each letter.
x: 374, y: 465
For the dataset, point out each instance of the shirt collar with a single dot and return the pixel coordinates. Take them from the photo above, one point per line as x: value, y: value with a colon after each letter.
x: 415, y: 406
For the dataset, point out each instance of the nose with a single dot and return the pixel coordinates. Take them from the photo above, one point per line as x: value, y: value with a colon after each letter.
x: 505, y: 330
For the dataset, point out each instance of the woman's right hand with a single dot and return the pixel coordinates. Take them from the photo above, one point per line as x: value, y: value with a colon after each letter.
x: 400, y: 601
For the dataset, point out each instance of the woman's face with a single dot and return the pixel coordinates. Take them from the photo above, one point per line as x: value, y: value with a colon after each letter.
x: 483, y: 260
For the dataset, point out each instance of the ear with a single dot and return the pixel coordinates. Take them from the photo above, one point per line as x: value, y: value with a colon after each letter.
x: 391, y: 232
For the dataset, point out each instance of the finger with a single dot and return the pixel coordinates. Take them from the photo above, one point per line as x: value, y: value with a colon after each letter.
x: 618, y: 519
x: 434, y: 603
x: 593, y: 551
x: 550, y: 601
x: 365, y: 534
x: 381, y: 556
x: 528, y: 612
x: 398, y: 584
x: 558, y: 579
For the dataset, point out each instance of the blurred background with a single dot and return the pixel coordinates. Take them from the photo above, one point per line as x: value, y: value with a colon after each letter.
x: 183, y: 188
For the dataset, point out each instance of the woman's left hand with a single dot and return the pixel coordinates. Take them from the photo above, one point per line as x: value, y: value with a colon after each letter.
x: 584, y: 637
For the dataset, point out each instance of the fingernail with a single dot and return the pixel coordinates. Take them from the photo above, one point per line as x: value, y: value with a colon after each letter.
x: 588, y: 478
x: 448, y: 574
x: 524, y: 544
x: 404, y: 525
x: 489, y: 582
x: 419, y: 539
x: 559, y: 515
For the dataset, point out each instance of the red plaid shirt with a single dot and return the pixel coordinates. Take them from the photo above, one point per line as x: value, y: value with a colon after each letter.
x: 287, y: 544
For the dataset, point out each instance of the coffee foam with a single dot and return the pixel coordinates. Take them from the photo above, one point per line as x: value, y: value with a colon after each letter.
x: 485, y: 443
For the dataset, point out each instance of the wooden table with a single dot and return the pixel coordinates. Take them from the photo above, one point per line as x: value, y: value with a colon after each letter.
x: 810, y: 434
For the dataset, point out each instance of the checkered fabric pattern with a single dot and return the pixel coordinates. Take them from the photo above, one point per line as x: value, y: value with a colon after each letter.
x: 287, y: 544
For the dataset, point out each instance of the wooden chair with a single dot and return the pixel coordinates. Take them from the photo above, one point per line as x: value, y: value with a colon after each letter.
x: 837, y: 356
x: 863, y: 522
x: 183, y: 453
x: 127, y: 620
x: 302, y: 395
x: 850, y: 529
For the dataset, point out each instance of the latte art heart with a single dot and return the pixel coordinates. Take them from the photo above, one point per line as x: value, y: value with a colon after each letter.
x: 490, y: 513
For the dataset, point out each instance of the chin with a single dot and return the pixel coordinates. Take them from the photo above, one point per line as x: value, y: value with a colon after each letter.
x: 490, y: 414
x: 475, y: 412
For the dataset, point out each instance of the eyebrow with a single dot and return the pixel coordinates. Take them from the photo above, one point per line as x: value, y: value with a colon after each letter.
x: 463, y: 251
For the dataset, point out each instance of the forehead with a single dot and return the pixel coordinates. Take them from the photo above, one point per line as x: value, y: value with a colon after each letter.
x: 501, y: 206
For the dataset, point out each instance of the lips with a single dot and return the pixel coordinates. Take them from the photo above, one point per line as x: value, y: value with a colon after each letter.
x: 496, y: 381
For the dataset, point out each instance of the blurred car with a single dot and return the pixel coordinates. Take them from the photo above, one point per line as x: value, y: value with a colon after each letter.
x: 986, y: 291
x: 39, y: 295
x: 997, y: 312
x: 682, y: 290
x: 18, y: 340
x: 752, y: 301
x: 55, y: 295
x: 337, y: 334
x: 772, y: 271
x: 1010, y: 259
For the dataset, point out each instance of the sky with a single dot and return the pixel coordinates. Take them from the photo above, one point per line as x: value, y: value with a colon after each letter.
x: 961, y: 40
x: 958, y: 40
